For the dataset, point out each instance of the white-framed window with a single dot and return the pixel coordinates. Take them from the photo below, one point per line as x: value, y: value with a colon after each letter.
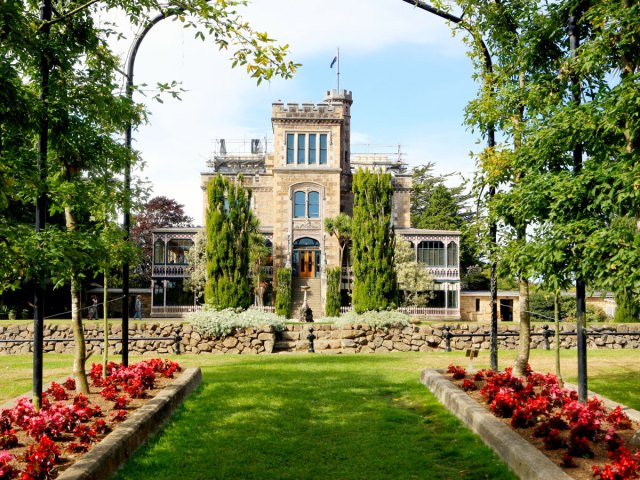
x: 431, y: 253
x: 307, y: 148
x: 306, y: 205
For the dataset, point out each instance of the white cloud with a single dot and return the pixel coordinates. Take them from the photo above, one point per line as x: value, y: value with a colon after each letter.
x: 225, y: 103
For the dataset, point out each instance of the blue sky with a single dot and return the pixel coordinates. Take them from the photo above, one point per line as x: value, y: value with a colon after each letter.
x: 410, y: 81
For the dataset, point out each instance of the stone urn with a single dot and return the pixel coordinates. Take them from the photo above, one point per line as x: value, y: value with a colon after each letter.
x: 305, y: 314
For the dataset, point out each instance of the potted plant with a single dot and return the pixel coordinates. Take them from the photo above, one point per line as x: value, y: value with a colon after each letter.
x: 24, y: 314
x: 12, y: 313
x: 4, y: 312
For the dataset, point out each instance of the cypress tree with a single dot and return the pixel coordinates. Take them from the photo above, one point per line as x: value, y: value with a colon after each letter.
x: 283, y: 293
x: 375, y: 284
x: 230, y: 223
x: 332, y: 307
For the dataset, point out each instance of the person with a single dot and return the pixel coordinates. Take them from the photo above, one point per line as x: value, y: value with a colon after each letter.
x: 138, y: 313
x: 93, y: 309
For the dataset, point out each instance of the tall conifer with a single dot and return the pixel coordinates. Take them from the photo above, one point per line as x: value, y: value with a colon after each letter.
x: 230, y: 222
x: 375, y: 283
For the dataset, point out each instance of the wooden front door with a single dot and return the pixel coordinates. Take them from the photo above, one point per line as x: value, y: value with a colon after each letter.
x: 306, y: 263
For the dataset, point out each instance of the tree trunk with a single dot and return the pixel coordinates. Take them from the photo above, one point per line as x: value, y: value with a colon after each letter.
x: 556, y: 317
x: 520, y: 366
x: 79, y: 351
x: 105, y: 324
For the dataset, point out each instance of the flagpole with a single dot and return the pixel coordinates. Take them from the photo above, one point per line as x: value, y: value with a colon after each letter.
x: 338, y: 71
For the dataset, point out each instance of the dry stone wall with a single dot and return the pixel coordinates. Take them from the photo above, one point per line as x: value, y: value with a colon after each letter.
x: 145, y: 338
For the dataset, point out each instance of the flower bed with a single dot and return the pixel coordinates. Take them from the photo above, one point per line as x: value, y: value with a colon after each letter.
x: 39, y: 445
x: 586, y: 440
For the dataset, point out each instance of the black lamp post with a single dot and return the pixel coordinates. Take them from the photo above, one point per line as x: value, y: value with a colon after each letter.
x: 127, y: 179
x: 491, y: 142
x: 574, y: 42
x: 46, y: 12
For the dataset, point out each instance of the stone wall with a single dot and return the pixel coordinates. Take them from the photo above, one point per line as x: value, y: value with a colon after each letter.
x: 329, y: 338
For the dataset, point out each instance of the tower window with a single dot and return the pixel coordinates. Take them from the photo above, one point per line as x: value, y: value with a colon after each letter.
x: 307, y: 148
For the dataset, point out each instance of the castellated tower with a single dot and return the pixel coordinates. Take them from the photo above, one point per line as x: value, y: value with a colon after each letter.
x: 311, y: 180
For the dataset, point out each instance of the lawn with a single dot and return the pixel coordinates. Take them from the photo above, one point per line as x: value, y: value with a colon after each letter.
x: 326, y: 416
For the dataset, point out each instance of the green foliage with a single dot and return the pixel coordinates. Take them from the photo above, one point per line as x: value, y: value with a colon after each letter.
x: 475, y: 278
x: 283, y: 293
x: 541, y: 306
x: 548, y: 103
x: 218, y: 323
x: 375, y: 283
x: 85, y: 114
x: 627, y: 307
x: 341, y: 228
x: 230, y: 224
x: 332, y: 306
x: 382, y: 320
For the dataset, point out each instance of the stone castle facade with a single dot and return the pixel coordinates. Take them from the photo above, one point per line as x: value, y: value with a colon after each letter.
x: 305, y: 178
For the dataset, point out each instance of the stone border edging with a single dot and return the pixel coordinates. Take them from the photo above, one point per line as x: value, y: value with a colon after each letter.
x: 107, y: 456
x: 525, y: 460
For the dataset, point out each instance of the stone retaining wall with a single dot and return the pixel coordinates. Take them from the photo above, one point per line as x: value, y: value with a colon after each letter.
x: 329, y: 338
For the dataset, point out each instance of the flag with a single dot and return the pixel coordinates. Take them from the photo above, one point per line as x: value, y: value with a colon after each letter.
x: 333, y: 62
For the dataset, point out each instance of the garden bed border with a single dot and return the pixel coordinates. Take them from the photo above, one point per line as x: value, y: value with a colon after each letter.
x: 525, y: 460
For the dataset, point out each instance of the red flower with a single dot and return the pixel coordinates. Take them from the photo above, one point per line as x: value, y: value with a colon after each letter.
x: 119, y: 415
x: 57, y: 392
x: 69, y: 384
x: 8, y: 439
x: 457, y: 371
x: 41, y: 459
x: 619, y: 419
x: 468, y: 385
x: 7, y: 471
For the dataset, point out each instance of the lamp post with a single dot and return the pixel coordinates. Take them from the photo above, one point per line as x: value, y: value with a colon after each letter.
x: 127, y: 178
x: 491, y: 142
x: 574, y: 42
x: 46, y: 12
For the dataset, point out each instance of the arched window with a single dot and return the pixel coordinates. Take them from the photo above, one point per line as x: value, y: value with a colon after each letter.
x: 452, y: 255
x: 158, y: 252
x: 306, y: 205
x: 299, y: 204
x: 313, y: 208
x: 431, y: 253
x: 306, y: 242
x: 177, y: 251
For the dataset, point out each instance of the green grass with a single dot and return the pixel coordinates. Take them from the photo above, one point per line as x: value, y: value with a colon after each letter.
x: 306, y: 417
x: 325, y: 416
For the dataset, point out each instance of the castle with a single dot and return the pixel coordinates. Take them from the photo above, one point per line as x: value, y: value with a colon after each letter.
x: 305, y: 178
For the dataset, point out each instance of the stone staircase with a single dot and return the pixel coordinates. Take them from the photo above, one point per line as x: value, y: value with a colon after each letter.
x: 296, y: 341
x: 314, y: 298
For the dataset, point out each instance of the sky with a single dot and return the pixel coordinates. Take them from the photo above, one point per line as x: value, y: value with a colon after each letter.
x: 410, y: 79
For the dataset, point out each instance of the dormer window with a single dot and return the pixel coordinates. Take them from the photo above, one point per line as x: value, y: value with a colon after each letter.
x: 307, y: 148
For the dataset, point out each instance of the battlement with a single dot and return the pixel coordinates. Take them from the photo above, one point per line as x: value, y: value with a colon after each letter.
x: 306, y: 110
x: 332, y: 107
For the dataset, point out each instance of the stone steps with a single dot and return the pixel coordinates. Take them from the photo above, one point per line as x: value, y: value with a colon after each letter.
x: 314, y: 299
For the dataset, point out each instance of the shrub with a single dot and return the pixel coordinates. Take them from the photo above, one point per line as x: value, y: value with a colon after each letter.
x: 332, y: 307
x: 218, y: 323
x: 283, y: 293
x: 378, y: 320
